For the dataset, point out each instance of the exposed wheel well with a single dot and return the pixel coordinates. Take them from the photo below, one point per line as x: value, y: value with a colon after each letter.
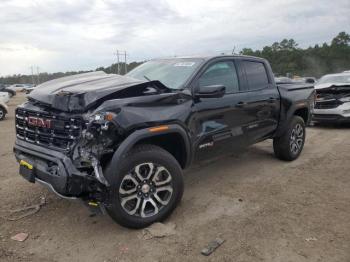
x: 172, y: 142
x: 303, y: 113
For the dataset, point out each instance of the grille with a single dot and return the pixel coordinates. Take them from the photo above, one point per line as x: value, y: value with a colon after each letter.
x: 62, y: 132
x: 328, y: 104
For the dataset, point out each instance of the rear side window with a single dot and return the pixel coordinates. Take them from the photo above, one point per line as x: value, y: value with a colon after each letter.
x: 256, y: 75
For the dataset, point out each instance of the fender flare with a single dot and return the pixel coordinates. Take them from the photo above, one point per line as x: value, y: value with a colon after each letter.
x: 140, y: 134
x: 287, y: 118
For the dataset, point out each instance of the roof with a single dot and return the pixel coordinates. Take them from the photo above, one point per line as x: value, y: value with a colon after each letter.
x: 209, y: 57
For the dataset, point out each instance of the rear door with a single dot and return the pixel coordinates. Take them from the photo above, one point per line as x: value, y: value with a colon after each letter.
x: 261, y: 99
x: 218, y: 122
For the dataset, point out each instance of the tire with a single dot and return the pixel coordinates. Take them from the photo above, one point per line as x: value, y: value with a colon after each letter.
x: 128, y: 207
x: 2, y: 113
x: 289, y: 146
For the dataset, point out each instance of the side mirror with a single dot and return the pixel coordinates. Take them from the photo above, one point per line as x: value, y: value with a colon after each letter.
x: 310, y: 81
x: 212, y: 91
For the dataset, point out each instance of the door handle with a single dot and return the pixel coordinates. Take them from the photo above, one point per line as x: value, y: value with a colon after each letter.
x: 241, y: 104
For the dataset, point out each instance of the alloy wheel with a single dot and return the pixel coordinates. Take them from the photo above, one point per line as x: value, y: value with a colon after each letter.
x: 296, y: 139
x: 145, y: 190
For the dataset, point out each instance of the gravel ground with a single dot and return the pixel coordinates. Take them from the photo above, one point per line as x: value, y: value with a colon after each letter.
x: 265, y: 209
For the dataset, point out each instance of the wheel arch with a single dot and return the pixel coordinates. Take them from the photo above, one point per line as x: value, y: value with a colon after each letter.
x: 173, y: 139
x: 303, y: 113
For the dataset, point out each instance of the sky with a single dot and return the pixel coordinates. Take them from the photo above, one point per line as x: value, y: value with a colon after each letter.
x: 71, y: 35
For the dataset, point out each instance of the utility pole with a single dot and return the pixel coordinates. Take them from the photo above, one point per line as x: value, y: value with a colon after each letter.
x: 125, y: 65
x: 122, y: 55
x: 118, y: 62
x: 37, y: 71
x: 32, y: 71
x: 233, y: 50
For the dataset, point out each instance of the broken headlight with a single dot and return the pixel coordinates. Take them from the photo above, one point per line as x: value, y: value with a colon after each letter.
x: 97, y: 123
x: 102, y: 117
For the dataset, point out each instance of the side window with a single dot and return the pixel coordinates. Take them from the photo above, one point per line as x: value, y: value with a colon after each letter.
x: 256, y: 75
x: 221, y: 73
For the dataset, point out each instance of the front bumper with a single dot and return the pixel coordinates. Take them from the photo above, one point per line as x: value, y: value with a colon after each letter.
x: 325, y: 118
x: 336, y: 115
x: 54, y: 169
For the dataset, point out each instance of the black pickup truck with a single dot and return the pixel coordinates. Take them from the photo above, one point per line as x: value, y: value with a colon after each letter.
x: 120, y: 143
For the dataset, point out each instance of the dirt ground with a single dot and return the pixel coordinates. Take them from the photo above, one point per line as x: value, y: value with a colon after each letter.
x: 265, y: 209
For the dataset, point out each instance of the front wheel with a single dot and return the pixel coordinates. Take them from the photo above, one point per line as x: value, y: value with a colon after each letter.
x: 145, y: 188
x: 289, y: 146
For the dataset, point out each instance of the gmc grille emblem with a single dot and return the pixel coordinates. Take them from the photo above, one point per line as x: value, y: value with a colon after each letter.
x: 39, y: 122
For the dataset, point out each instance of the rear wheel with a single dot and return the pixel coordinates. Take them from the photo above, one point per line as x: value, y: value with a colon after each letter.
x: 289, y: 146
x: 145, y: 188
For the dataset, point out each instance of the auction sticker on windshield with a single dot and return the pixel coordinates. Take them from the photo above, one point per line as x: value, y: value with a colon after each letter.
x: 184, y: 64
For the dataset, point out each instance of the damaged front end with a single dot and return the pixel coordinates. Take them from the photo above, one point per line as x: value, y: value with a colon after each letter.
x: 69, y: 129
x: 66, y: 152
x: 332, y: 104
x: 332, y: 97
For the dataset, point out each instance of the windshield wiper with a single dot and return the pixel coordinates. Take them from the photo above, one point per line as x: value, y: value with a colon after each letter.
x: 147, y: 78
x: 173, y: 89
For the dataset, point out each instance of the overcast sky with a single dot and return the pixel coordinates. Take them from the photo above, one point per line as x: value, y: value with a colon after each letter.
x: 81, y: 35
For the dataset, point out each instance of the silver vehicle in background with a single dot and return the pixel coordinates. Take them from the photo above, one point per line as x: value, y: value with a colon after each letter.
x: 332, y: 99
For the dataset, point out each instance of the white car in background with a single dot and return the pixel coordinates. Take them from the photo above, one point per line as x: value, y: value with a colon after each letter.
x: 332, y: 99
x: 17, y: 87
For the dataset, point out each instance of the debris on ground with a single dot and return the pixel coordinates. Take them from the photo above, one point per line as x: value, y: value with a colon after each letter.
x: 20, y: 237
x: 158, y: 230
x: 311, y: 239
x: 212, y: 246
x: 20, y: 213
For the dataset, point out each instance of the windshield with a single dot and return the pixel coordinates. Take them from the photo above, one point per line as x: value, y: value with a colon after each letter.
x: 173, y: 73
x: 341, y: 79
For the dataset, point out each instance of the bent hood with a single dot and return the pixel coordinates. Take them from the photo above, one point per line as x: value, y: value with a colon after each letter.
x: 328, y: 85
x: 80, y: 92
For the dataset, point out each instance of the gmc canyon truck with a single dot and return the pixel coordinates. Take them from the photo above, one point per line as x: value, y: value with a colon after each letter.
x: 120, y: 143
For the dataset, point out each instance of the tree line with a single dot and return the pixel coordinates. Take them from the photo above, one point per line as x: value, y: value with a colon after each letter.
x: 285, y: 57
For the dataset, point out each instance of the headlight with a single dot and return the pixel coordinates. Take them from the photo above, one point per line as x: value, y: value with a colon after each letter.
x: 102, y: 117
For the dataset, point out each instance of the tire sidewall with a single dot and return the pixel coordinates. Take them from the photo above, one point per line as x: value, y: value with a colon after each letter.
x: 296, y: 120
x: 115, y: 177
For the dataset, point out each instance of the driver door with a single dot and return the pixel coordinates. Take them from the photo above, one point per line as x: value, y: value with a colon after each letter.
x: 219, y: 123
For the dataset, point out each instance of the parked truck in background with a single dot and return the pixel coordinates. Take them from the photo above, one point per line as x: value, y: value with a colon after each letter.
x: 122, y: 142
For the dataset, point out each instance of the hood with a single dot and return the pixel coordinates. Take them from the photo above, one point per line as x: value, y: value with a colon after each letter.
x: 328, y: 85
x: 80, y: 92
